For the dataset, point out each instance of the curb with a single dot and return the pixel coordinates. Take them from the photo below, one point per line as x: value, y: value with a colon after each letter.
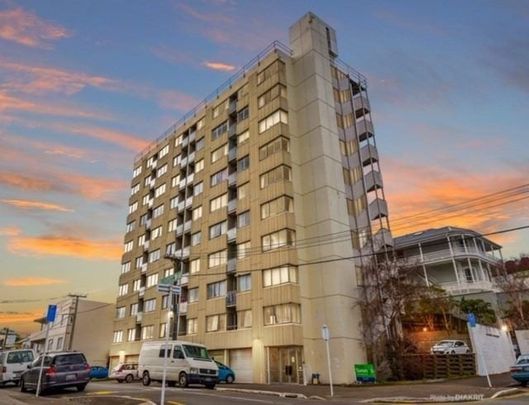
x: 263, y: 392
x: 504, y: 393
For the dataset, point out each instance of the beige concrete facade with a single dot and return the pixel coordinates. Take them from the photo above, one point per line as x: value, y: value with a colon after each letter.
x: 288, y: 203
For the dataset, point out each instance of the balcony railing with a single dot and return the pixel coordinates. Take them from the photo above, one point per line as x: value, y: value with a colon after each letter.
x: 141, y: 291
x: 232, y: 154
x: 232, y: 179
x: 231, y: 298
x: 232, y: 205
x: 139, y: 317
x: 187, y: 226
x: 455, y: 288
x: 232, y: 234
x: 184, y: 279
x: 378, y: 208
x: 445, y: 254
x: 182, y: 308
x: 232, y: 265
x: 143, y: 267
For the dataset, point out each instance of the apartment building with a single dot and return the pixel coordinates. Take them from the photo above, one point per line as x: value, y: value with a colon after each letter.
x: 459, y: 260
x: 260, y: 193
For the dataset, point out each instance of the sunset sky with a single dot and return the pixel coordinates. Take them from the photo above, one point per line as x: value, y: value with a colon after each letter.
x: 86, y: 85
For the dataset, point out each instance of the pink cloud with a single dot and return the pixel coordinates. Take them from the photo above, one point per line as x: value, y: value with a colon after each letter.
x: 224, y: 67
x: 31, y: 281
x: 10, y: 231
x: 26, y: 28
x: 39, y: 205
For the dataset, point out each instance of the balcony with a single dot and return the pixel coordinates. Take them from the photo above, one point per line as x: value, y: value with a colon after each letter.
x: 147, y: 223
x: 365, y: 129
x: 191, y: 157
x: 150, y: 203
x: 232, y: 234
x: 382, y: 239
x: 184, y: 161
x: 153, y: 164
x: 368, y: 154
x: 139, y: 317
x: 231, y: 299
x: 179, y: 229
x: 143, y: 268
x: 151, y: 183
x: 455, y: 288
x: 182, y: 308
x: 180, y: 206
x: 361, y: 101
x: 232, y: 130
x: 189, y: 202
x: 182, y: 252
x: 232, y: 265
x: 141, y: 291
x: 184, y: 279
x: 378, y: 208
x: 444, y: 255
x: 232, y: 205
x: 232, y: 107
x: 232, y: 154
x: 146, y: 245
x: 232, y: 179
x: 192, y: 136
x: 373, y: 181
x: 187, y: 226
x: 185, y: 142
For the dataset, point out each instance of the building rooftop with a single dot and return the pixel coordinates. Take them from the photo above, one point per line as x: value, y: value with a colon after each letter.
x: 434, y: 234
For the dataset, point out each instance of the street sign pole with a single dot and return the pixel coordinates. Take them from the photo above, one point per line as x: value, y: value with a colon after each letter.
x: 50, y: 317
x: 166, y: 352
x: 326, y: 336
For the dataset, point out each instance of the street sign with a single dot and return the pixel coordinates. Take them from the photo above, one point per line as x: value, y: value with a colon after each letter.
x: 365, y: 372
x: 169, y: 279
x: 52, y: 311
x: 471, y: 319
x: 325, y: 333
x: 166, y: 288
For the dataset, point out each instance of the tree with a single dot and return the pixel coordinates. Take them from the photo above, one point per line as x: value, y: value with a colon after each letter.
x: 516, y: 288
x: 483, y: 310
x: 432, y: 301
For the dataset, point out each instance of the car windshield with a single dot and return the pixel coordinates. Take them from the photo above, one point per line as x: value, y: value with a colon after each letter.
x: 523, y: 360
x: 69, y: 359
x: 196, y: 352
x: 20, y: 357
x: 444, y: 343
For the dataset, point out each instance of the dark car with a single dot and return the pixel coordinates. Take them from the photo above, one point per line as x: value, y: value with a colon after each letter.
x: 60, y: 370
x: 97, y: 372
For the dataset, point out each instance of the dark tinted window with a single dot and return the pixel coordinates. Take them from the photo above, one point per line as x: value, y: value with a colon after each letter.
x: 36, y: 362
x: 162, y: 351
x: 20, y: 357
x: 178, y: 354
x: 68, y: 359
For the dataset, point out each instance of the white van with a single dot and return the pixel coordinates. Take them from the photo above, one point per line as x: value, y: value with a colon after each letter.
x: 13, y: 363
x: 187, y: 363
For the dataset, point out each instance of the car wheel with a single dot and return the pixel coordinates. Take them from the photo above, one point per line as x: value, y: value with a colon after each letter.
x: 81, y: 387
x: 146, y: 379
x: 23, y: 386
x: 210, y: 386
x: 453, y: 352
x: 523, y: 383
x: 129, y: 378
x: 182, y: 380
x: 230, y: 379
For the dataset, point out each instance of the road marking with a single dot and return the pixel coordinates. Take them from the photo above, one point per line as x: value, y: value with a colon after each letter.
x: 175, y: 403
x: 102, y: 392
x: 229, y: 397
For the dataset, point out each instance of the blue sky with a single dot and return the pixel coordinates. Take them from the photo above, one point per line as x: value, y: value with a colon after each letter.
x: 85, y: 85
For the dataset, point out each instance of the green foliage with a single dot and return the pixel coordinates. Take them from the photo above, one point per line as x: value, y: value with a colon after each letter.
x: 483, y: 310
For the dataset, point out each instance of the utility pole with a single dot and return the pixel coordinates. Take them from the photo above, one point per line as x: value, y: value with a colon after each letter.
x: 4, y: 343
x: 74, y: 319
x: 175, y: 307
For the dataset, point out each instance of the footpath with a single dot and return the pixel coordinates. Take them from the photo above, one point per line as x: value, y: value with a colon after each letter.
x: 438, y: 391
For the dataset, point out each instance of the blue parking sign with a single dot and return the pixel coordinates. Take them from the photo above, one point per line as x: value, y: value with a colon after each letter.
x: 52, y: 311
x: 471, y: 319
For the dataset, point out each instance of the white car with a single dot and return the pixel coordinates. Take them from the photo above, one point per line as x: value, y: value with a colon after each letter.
x: 13, y: 363
x: 450, y: 347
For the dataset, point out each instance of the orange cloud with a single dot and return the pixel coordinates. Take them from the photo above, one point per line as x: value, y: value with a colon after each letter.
x: 51, y: 245
x: 29, y: 183
x: 10, y: 317
x: 31, y: 281
x: 219, y: 66
x: 10, y: 231
x: 40, y: 205
x: 26, y: 28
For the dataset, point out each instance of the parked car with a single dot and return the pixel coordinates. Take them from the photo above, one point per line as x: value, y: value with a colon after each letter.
x: 13, y: 363
x: 97, y: 372
x: 60, y: 370
x: 226, y: 374
x: 188, y: 363
x: 450, y: 347
x: 520, y: 370
x: 127, y: 372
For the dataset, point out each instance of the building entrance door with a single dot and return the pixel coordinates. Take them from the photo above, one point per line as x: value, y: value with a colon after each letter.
x: 285, y: 364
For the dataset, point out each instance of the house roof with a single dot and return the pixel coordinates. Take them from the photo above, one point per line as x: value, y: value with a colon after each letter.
x: 433, y: 234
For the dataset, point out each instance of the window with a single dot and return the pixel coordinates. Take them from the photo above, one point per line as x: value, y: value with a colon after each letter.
x: 125, y: 267
x: 241, y: 138
x: 136, y: 172
x: 273, y: 119
x: 171, y: 225
x: 197, y: 213
x: 192, y: 326
x: 243, y: 249
x: 192, y: 295
x: 243, y: 163
x: 280, y: 275
x: 242, y: 191
x: 200, y: 123
x: 173, y: 202
x: 120, y: 312
x: 133, y: 207
x: 349, y: 148
x: 219, y: 177
x: 118, y: 336
x: 244, y: 283
x: 198, y: 188
x: 168, y: 272
x: 219, y: 131
x: 359, y: 238
x: 136, y: 284
x: 217, y: 289
x: 200, y: 144
x: 178, y: 140
x: 356, y: 206
x: 153, y: 256
x: 152, y: 280
x: 135, y: 189
x: 141, y: 240
x: 159, y: 191
x: 352, y: 175
x: 146, y: 199
x: 199, y: 166
x: 217, y: 258
x: 284, y: 313
x: 280, y: 173
x: 176, y: 161
x: 161, y: 171
x: 284, y: 237
x: 175, y: 180
x: 165, y: 301
x: 130, y: 226
x: 276, y: 91
x: 139, y: 262
x: 164, y: 151
x: 156, y: 232
x: 218, y: 109
x: 157, y: 211
x: 147, y: 332
x: 195, y: 238
x: 277, y: 206
x: 219, y: 153
x: 128, y: 246
x: 280, y: 144
x: 170, y: 248
x: 134, y: 309
x: 60, y: 341
x: 243, y: 114
x: 218, y: 229
x: 194, y: 266
x: 149, y: 305
x: 131, y: 334
x: 147, y: 181
x: 269, y: 71
x: 216, y: 323
x: 218, y: 203
x: 163, y: 329
x: 244, y: 319
x: 243, y: 219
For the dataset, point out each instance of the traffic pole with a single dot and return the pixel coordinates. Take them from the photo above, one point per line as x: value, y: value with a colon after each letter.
x: 166, y: 352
